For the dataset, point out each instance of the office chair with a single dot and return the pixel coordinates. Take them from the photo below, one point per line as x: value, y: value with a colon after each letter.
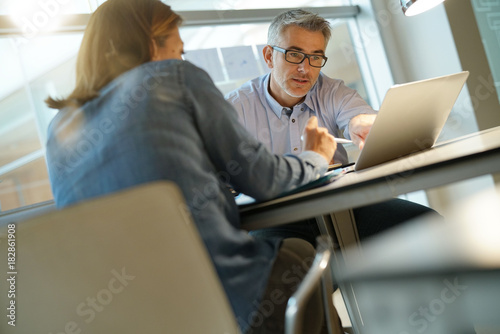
x: 130, y: 262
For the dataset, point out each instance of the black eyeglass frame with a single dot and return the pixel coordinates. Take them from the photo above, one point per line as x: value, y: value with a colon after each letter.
x: 308, y: 56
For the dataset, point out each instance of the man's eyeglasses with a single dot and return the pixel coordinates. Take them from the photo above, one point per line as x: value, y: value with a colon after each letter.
x: 297, y: 57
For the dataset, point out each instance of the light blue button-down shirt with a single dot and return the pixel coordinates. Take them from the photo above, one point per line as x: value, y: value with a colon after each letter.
x: 280, y: 128
x: 167, y: 121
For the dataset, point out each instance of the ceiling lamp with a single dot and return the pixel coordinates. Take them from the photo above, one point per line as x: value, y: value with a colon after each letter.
x: 414, y: 7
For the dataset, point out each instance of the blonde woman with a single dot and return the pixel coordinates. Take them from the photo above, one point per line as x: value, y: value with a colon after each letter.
x: 139, y: 113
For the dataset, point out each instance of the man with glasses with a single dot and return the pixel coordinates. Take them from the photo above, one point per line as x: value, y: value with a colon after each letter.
x: 275, y: 108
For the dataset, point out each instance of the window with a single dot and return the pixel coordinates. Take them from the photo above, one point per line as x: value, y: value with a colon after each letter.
x: 35, y: 69
x: 238, y: 57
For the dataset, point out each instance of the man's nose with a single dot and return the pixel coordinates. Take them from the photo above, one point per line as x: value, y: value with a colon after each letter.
x: 304, y: 66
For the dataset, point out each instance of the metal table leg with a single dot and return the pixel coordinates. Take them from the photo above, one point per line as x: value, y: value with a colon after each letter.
x: 341, y: 227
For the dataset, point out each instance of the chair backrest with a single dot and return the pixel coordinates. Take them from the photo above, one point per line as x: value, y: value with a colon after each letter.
x: 130, y: 262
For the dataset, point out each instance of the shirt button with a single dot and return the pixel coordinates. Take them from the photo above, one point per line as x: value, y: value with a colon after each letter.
x: 293, y: 120
x: 295, y: 149
x: 301, y: 109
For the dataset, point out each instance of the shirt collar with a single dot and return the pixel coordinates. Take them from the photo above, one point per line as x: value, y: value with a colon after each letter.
x: 308, y: 100
x: 275, y: 106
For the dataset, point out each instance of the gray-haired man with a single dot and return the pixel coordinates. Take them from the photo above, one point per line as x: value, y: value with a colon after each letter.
x: 275, y: 108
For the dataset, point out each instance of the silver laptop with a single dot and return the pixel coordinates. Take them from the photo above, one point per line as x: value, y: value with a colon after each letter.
x: 410, y: 119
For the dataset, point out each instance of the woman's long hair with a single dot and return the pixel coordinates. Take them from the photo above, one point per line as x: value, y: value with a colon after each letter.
x: 118, y: 37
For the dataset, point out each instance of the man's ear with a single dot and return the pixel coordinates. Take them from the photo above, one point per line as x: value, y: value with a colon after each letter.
x: 267, y: 52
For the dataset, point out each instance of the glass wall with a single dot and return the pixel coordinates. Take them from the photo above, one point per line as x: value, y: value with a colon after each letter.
x: 35, y: 69
x: 237, y: 57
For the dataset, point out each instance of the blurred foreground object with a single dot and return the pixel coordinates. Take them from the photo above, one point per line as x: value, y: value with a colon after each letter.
x: 430, y: 276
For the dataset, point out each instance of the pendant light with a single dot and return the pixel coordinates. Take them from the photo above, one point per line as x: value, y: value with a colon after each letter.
x: 414, y: 7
